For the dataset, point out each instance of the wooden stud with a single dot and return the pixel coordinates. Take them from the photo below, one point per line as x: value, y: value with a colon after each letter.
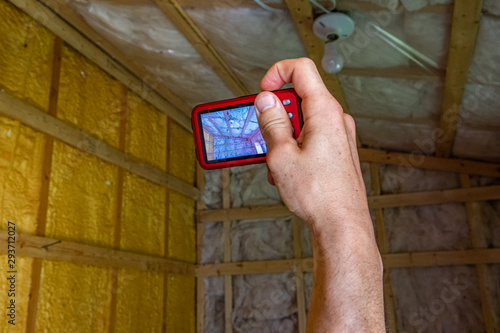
x: 36, y: 266
x: 466, y: 15
x: 376, y: 201
x: 118, y: 208
x: 299, y: 277
x: 174, y: 12
x: 474, y: 220
x: 228, y: 283
x: 383, y: 245
x: 167, y: 223
x: 200, y: 230
x: 60, y: 250
x: 408, y: 161
x: 31, y: 116
x: 391, y: 260
x: 46, y: 17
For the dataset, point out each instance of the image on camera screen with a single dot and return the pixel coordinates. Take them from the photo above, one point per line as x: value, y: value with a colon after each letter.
x: 232, y: 133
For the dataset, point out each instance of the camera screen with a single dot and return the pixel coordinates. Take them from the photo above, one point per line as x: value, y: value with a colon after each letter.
x: 231, y: 134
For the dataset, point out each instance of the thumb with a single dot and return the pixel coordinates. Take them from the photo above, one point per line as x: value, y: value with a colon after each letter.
x: 274, y: 122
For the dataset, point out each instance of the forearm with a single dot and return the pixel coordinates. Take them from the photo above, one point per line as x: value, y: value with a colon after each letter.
x: 348, y: 287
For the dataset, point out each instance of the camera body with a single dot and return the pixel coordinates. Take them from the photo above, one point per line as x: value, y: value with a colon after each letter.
x: 226, y: 133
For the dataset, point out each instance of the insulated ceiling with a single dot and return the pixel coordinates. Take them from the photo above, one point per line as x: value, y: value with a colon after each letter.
x: 396, y: 104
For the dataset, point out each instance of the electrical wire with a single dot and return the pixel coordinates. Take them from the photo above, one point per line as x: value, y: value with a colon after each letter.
x: 317, y: 4
x: 263, y: 5
x: 405, y: 49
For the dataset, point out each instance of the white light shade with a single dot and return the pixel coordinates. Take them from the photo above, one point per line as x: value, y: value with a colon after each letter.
x: 332, y: 61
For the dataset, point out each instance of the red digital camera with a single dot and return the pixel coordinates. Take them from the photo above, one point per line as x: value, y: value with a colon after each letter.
x: 226, y: 133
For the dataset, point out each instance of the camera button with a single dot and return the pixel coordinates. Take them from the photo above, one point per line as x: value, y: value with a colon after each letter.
x: 287, y: 102
x: 290, y: 115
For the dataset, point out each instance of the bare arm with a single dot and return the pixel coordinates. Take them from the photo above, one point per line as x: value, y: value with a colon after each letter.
x: 319, y: 179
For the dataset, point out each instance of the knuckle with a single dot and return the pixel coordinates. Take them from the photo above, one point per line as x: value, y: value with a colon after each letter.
x: 349, y: 120
x: 306, y: 62
x: 268, y: 127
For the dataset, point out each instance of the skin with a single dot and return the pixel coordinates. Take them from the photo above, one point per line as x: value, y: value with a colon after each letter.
x: 319, y: 178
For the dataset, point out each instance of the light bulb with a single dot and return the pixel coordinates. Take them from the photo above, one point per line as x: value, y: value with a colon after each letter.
x: 332, y: 61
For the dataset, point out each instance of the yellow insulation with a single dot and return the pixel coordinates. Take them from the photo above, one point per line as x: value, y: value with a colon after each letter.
x: 73, y: 298
x: 182, y: 158
x: 181, y: 300
x: 83, y: 191
x: 144, y: 203
x: 181, y: 303
x: 140, y: 301
x: 140, y: 294
x: 26, y: 56
x: 82, y: 201
x: 25, y: 72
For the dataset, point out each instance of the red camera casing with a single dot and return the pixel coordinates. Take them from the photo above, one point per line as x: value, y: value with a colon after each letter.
x: 290, y: 100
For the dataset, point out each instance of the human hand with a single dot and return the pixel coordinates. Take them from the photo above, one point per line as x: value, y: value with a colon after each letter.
x: 318, y: 174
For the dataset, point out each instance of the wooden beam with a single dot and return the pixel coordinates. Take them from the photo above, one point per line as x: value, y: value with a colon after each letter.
x: 474, y: 220
x: 36, y: 265
x: 429, y: 162
x: 375, y: 201
x: 258, y: 212
x: 60, y: 250
x: 200, y: 231
x: 251, y: 267
x: 393, y: 260
x: 435, y: 197
x: 31, y: 116
x: 466, y: 15
x: 228, y: 280
x: 174, y: 12
x: 127, y: 75
x: 444, y: 258
x: 383, y: 245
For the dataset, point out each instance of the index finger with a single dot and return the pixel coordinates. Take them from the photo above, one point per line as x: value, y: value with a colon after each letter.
x: 316, y: 99
x: 301, y: 72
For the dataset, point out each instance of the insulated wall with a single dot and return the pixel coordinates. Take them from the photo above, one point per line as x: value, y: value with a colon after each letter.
x: 49, y: 188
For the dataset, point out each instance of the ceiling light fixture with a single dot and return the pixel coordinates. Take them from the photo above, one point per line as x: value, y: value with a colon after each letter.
x: 332, y: 28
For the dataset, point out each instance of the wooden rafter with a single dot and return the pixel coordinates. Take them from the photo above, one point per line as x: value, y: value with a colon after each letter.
x: 376, y: 201
x: 474, y: 220
x: 174, y: 12
x: 217, y: 127
x: 429, y: 162
x: 127, y: 74
x: 466, y: 15
x: 393, y: 260
x: 56, y: 249
x: 43, y: 122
